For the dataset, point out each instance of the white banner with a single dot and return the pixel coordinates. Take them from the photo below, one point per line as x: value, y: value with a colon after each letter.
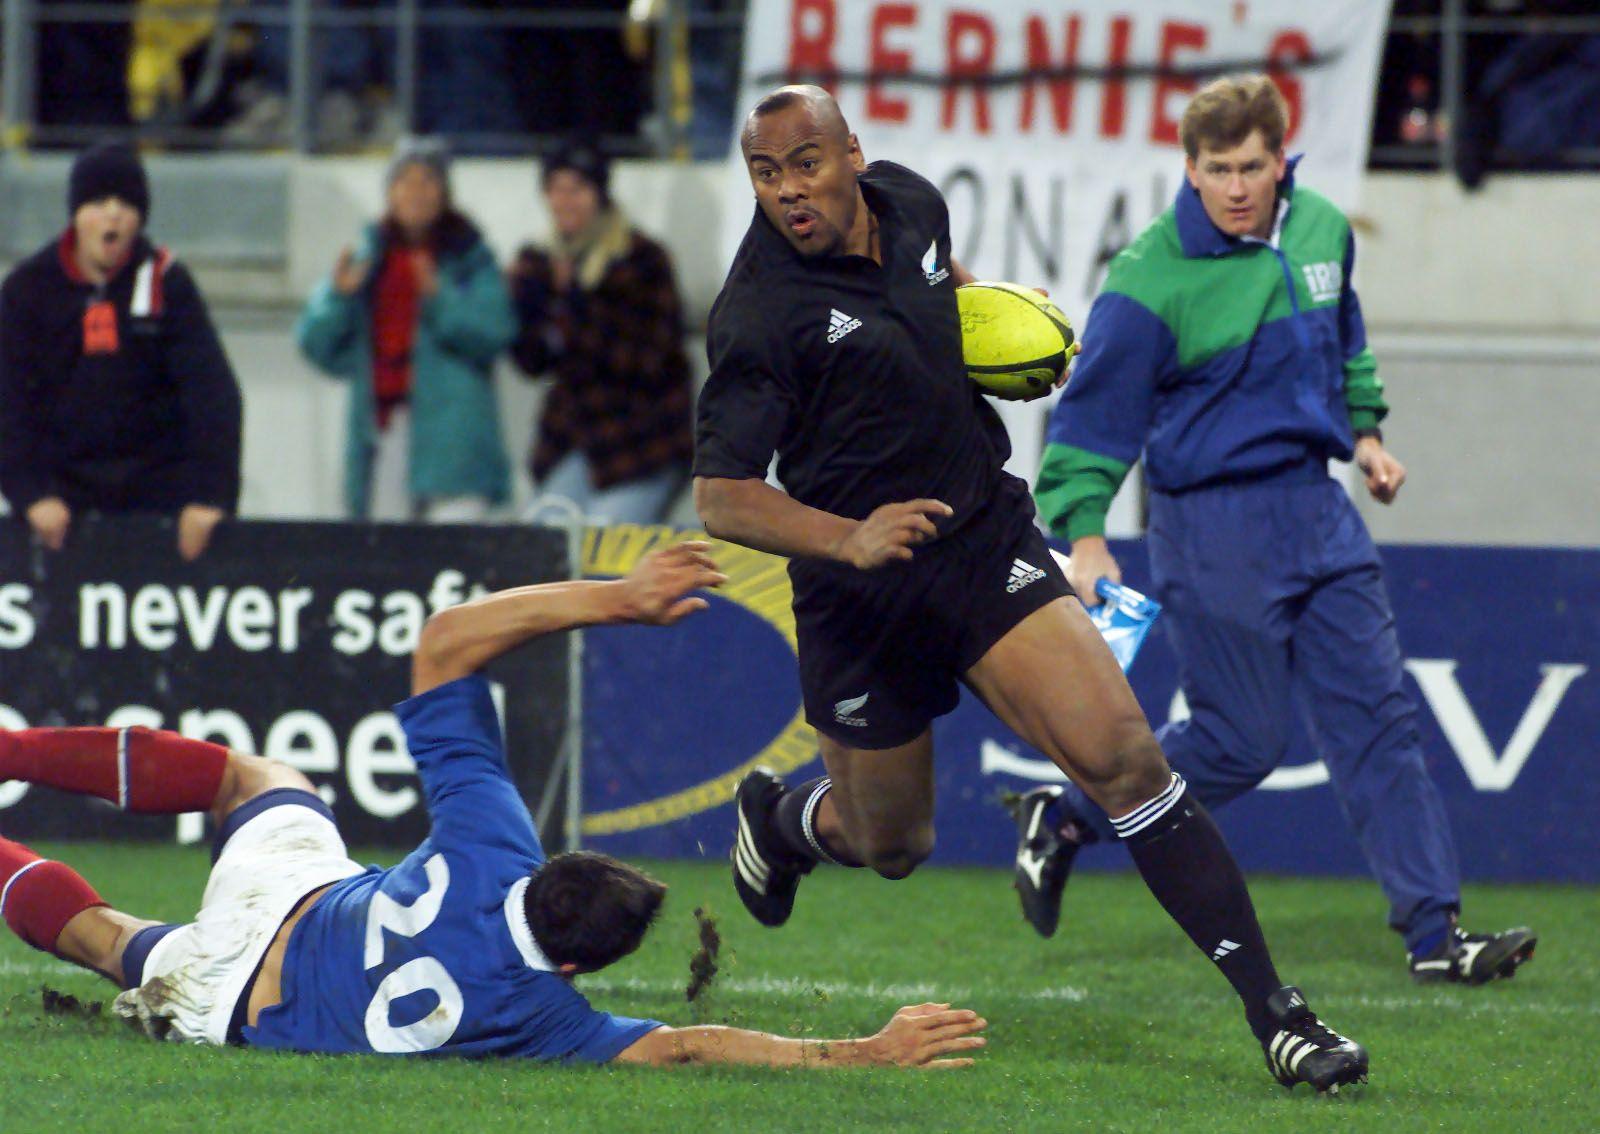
x: 1052, y: 125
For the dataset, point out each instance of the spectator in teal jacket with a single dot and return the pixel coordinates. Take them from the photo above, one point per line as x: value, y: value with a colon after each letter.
x: 416, y: 318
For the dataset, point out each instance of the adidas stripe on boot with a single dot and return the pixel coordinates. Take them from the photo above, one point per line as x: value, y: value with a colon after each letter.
x: 764, y: 878
x: 1475, y: 958
x: 1302, y: 1049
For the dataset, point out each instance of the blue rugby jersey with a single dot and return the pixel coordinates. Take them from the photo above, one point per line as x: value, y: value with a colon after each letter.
x: 434, y: 955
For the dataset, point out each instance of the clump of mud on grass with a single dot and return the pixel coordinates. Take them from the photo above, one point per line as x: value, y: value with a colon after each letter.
x: 703, y: 965
x: 58, y: 1003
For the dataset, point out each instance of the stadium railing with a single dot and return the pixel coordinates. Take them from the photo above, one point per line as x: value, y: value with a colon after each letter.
x: 665, y: 36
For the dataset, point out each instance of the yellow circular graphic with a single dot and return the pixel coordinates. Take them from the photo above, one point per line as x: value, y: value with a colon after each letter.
x: 756, y: 581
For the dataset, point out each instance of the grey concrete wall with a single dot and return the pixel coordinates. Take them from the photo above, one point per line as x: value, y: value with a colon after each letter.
x: 1499, y: 438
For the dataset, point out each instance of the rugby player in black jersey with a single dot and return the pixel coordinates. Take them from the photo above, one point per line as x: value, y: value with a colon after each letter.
x: 916, y: 565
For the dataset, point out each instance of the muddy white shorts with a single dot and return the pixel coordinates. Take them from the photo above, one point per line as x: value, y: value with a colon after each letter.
x: 272, y: 852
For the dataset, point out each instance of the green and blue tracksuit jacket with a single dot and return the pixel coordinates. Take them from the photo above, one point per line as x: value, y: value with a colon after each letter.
x: 1217, y: 358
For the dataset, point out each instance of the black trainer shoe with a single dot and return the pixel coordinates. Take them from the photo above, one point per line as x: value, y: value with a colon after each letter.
x: 1475, y: 958
x: 764, y: 879
x: 1044, y: 855
x: 1302, y: 1049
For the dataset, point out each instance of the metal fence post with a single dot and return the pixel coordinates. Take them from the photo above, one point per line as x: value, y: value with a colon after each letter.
x: 569, y: 759
x: 670, y: 80
x: 1452, y: 49
x: 574, y: 817
x: 17, y: 82
x: 680, y: 111
x: 301, y: 133
x: 405, y: 65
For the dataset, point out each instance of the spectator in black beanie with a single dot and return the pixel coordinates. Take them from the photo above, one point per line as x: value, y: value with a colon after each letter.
x: 115, y: 394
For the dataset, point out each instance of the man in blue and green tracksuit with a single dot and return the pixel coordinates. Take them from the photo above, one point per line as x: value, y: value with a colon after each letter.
x: 1227, y: 348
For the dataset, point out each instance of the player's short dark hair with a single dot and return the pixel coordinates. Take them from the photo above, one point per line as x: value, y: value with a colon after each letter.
x: 781, y: 99
x: 1228, y: 110
x: 589, y: 909
x: 801, y: 94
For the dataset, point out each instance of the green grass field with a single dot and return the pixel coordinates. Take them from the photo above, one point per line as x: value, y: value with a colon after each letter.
x: 1117, y: 1025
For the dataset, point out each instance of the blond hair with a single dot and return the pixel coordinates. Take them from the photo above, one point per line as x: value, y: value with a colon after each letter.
x: 1228, y: 110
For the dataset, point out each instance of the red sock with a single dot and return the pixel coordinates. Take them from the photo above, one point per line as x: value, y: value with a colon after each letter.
x: 138, y: 769
x: 38, y: 896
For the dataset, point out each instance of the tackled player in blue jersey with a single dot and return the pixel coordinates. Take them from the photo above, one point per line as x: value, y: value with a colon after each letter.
x: 467, y: 947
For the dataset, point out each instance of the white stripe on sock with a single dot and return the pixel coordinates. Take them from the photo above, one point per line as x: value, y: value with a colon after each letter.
x: 1151, y: 804
x: 808, y: 820
x: 12, y: 881
x: 1147, y: 813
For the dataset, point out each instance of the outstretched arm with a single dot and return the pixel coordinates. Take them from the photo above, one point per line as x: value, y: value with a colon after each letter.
x: 461, y: 640
x: 923, y: 1035
x: 754, y: 513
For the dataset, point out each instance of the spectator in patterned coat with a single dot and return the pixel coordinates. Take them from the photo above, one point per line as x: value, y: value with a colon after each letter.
x: 599, y: 311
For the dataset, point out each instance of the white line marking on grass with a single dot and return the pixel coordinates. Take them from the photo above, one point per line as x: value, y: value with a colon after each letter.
x: 872, y: 990
x: 1491, y: 1004
x: 37, y: 968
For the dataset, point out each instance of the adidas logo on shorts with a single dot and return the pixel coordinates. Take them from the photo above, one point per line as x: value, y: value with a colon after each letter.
x: 840, y: 325
x: 1022, y: 573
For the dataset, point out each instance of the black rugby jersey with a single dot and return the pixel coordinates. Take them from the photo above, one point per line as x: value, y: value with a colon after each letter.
x: 849, y: 371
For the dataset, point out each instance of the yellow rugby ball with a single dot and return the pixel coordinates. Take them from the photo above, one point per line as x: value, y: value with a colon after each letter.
x: 1015, y: 342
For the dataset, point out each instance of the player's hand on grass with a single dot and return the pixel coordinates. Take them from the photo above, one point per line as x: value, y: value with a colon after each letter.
x: 933, y: 1036
x: 891, y: 532
x: 658, y: 589
x: 1384, y: 473
x: 50, y: 518
x: 1091, y: 561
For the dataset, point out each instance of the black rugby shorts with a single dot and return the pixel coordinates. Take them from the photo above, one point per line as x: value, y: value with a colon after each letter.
x: 882, y: 652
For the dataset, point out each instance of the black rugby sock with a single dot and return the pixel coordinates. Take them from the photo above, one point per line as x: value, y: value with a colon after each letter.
x: 1192, y: 873
x: 793, y: 821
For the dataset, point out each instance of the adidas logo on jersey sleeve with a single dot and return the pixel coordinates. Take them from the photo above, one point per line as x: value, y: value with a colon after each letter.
x: 840, y: 325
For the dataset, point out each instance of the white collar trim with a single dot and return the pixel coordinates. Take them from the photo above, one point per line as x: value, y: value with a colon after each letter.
x: 1277, y: 226
x: 521, y: 935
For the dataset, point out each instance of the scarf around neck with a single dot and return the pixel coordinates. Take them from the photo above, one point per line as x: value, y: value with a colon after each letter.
x: 601, y: 243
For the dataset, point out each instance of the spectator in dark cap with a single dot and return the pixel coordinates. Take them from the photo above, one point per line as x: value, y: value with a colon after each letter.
x: 115, y: 393
x: 415, y: 319
x: 599, y: 311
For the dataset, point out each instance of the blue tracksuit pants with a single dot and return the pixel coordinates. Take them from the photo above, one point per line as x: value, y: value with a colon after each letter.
x: 1274, y: 601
